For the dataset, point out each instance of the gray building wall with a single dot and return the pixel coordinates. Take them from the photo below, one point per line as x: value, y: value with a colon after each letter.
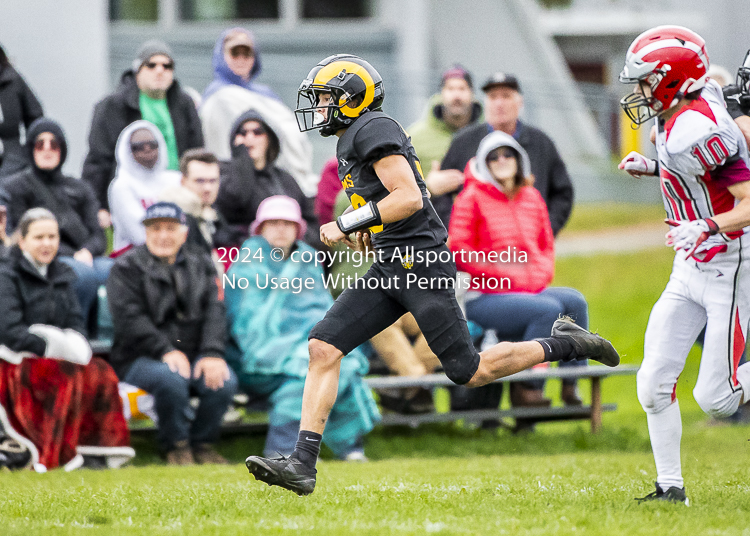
x: 62, y: 50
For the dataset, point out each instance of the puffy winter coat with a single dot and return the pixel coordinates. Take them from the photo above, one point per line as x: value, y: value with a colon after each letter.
x: 484, y: 220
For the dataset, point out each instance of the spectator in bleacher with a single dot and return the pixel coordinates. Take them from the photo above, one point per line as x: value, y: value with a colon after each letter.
x: 500, y: 211
x: 269, y: 329
x: 196, y: 195
x: 147, y: 91
x: 454, y: 108
x: 502, y: 108
x: 252, y: 176
x: 56, y: 395
x: 329, y: 188
x: 18, y: 106
x: 141, y: 177
x: 236, y: 61
x: 169, y: 336
x: 82, y: 241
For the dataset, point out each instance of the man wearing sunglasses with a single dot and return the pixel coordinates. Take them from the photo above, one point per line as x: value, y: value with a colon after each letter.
x: 147, y: 91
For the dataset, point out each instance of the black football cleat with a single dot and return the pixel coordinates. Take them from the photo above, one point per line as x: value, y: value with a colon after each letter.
x: 288, y: 473
x: 586, y: 345
x: 673, y: 494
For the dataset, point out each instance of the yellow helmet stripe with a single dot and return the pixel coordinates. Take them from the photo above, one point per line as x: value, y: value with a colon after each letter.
x: 333, y: 69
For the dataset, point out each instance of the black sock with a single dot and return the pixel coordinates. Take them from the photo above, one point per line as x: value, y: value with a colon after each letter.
x: 557, y: 349
x: 308, y: 447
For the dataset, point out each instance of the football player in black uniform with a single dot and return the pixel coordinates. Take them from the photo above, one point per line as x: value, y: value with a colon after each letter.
x: 381, y: 174
x: 737, y: 97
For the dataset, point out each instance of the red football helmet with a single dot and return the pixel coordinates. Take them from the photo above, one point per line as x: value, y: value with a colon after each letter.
x: 671, y: 61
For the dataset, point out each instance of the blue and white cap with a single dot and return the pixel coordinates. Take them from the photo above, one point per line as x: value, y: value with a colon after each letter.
x: 164, y: 211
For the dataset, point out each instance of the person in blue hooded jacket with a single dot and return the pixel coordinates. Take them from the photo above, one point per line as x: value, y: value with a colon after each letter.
x: 273, y: 300
x: 236, y: 61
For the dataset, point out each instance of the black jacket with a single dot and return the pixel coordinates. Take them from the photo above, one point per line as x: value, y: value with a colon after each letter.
x: 71, y: 201
x: 152, y: 315
x: 29, y: 298
x: 550, y: 176
x: 116, y: 111
x: 18, y: 105
x: 243, y: 187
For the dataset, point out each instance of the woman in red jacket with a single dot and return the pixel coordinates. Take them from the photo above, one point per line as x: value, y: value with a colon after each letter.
x: 501, y: 228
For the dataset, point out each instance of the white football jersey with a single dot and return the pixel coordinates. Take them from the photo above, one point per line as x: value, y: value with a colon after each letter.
x: 690, y: 146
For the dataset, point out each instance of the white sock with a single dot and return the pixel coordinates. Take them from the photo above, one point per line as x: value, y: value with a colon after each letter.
x: 743, y: 378
x: 665, y: 431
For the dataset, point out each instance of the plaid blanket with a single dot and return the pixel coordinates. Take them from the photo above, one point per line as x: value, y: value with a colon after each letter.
x: 60, y: 406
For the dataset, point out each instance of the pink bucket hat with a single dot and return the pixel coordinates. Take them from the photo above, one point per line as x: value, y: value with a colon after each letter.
x: 279, y: 207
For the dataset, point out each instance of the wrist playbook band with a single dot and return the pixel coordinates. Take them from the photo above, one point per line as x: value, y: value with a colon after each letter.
x: 360, y: 219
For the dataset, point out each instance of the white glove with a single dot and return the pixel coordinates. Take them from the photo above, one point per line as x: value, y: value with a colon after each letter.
x: 13, y: 357
x: 691, y: 234
x: 68, y: 345
x: 636, y: 164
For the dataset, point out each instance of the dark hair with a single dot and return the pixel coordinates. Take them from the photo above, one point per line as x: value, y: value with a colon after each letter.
x: 31, y: 216
x: 196, y: 155
x: 693, y: 95
x: 518, y: 180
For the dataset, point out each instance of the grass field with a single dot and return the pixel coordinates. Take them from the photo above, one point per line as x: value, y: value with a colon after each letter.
x: 446, y: 479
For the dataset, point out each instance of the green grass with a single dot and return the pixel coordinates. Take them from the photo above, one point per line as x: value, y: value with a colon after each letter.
x: 443, y: 479
x: 597, y: 216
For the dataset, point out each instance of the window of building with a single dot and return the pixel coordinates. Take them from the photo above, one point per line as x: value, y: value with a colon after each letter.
x: 335, y: 9
x: 208, y: 10
x: 135, y: 10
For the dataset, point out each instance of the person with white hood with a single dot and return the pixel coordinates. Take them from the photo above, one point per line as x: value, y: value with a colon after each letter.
x: 140, y: 178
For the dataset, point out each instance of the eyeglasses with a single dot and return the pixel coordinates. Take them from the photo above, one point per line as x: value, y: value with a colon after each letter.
x: 500, y: 153
x: 241, y: 51
x: 51, y: 145
x: 258, y: 131
x: 141, y: 146
x: 153, y: 65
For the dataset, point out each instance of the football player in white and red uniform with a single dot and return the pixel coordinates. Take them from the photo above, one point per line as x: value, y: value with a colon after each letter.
x: 705, y: 182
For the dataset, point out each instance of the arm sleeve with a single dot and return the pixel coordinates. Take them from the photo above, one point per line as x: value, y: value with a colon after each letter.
x: 126, y: 216
x: 213, y: 340
x: 32, y: 109
x: 730, y: 173
x: 560, y: 195
x: 13, y: 329
x: 98, y: 168
x: 379, y: 138
x: 731, y: 98
x: 126, y: 303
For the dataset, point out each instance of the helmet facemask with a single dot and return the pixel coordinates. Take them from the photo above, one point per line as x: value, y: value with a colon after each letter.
x: 641, y: 106
x: 743, y: 76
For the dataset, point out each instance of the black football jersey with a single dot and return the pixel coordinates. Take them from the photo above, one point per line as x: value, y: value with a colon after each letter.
x: 737, y: 103
x: 371, y: 137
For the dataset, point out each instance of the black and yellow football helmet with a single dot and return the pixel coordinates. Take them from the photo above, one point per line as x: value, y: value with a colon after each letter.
x: 354, y: 85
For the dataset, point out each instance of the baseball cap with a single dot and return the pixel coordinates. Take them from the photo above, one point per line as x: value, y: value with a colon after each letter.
x: 279, y: 207
x: 238, y: 38
x: 456, y: 71
x: 164, y: 211
x: 503, y: 80
x: 150, y: 49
